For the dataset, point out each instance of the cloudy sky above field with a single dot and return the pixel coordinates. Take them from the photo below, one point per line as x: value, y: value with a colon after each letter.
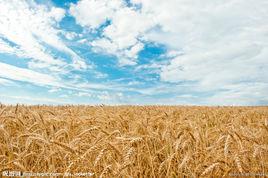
x: 201, y: 52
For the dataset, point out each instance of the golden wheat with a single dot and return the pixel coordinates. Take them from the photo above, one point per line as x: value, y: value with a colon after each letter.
x: 134, y: 141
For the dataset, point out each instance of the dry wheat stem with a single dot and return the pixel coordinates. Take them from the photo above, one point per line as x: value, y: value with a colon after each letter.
x: 134, y: 141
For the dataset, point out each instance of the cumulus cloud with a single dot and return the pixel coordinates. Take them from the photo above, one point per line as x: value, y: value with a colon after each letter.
x: 217, y: 51
x: 221, y: 44
x: 26, y: 29
x: 123, y: 36
x: 227, y: 35
x: 213, y: 44
x: 240, y: 94
x: 92, y: 13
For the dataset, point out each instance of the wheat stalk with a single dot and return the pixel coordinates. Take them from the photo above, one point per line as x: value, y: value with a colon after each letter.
x: 227, y: 145
x: 100, y: 155
x: 134, y: 141
x: 238, y: 163
x: 64, y: 146
x: 106, y: 170
x: 209, y: 169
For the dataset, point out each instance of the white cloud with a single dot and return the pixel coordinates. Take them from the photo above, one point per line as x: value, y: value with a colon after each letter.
x: 127, y: 26
x: 206, y: 33
x: 123, y: 36
x: 5, y: 48
x: 64, y: 96
x: 26, y: 75
x: 54, y: 89
x: 70, y: 35
x: 93, y: 13
x: 214, y: 44
x: 220, y: 44
x: 84, y: 94
x: 29, y: 26
x: 110, y: 98
x: 241, y: 94
x: 217, y: 48
x: 5, y: 82
x: 31, y: 100
x: 57, y: 13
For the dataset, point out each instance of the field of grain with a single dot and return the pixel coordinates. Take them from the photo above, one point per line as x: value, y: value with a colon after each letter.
x: 135, y: 141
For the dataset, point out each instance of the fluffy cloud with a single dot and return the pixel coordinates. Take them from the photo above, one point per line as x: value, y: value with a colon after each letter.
x: 93, y: 13
x: 254, y: 93
x: 226, y: 44
x: 217, y: 51
x: 218, y: 44
x: 222, y: 44
x: 26, y: 30
x: 123, y: 37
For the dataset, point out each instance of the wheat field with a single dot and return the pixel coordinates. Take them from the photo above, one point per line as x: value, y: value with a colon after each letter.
x: 135, y: 141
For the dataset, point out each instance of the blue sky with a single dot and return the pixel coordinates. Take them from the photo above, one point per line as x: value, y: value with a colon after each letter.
x: 185, y: 52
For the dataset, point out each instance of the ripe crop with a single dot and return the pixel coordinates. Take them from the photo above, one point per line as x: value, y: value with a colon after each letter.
x: 135, y: 141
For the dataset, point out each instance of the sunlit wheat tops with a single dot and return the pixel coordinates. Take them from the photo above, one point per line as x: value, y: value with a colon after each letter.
x: 132, y: 141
